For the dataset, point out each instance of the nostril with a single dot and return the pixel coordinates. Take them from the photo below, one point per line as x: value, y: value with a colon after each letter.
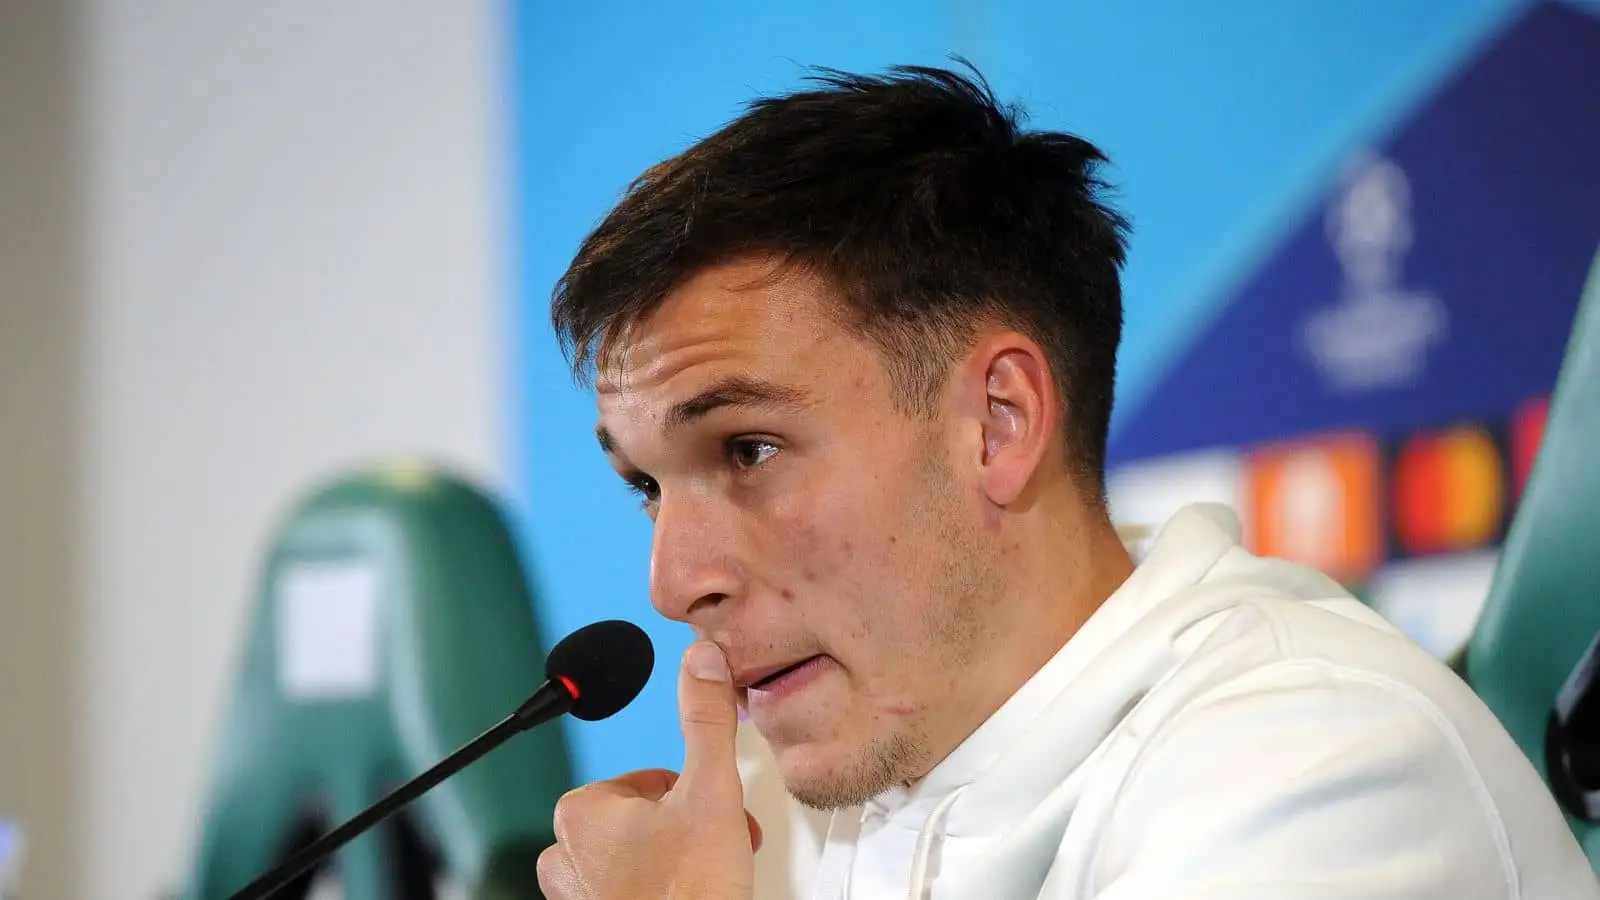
x: 706, y: 603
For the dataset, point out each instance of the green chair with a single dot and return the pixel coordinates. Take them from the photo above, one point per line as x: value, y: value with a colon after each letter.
x: 1532, y: 656
x: 394, y: 623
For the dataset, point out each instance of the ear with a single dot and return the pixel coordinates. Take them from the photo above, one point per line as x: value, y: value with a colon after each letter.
x: 1009, y: 394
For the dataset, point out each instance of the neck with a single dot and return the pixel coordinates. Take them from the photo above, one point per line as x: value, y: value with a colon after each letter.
x: 1069, y: 561
x: 1078, y: 561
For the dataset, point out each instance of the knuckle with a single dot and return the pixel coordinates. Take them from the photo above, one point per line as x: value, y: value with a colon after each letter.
x: 568, y: 813
x: 549, y: 867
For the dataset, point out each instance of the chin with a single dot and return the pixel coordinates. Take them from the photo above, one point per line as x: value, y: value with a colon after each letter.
x: 810, y: 772
x: 833, y: 775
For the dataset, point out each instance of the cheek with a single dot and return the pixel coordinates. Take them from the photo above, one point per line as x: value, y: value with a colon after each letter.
x: 864, y: 581
x: 859, y: 554
x: 838, y: 560
x: 816, y: 533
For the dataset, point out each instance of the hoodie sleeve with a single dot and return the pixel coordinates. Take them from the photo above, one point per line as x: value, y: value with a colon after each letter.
x: 1302, y: 781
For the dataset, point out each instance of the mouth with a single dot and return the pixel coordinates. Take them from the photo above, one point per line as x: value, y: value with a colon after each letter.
x: 765, y: 677
x: 777, y: 684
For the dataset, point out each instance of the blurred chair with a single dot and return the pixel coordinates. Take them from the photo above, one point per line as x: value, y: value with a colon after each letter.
x: 394, y: 623
x: 1533, y: 657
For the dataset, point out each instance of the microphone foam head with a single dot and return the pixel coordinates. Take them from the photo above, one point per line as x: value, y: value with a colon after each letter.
x: 609, y: 663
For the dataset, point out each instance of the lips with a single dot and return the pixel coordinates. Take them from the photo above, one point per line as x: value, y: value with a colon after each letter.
x: 759, y: 677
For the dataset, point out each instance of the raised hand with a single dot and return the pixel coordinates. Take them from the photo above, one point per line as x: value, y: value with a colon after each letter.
x: 657, y: 833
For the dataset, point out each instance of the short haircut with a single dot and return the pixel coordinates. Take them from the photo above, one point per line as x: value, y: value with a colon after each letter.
x: 915, y: 196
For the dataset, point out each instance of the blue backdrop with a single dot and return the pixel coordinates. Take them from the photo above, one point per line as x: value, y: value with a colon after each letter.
x: 1227, y: 122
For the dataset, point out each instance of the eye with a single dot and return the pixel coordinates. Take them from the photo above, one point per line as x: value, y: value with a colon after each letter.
x: 644, y: 487
x: 747, y: 453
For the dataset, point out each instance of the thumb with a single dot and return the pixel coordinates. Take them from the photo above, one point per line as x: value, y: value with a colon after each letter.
x: 709, y: 715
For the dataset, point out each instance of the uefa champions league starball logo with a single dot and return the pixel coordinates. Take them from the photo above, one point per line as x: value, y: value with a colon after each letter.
x: 1377, y: 334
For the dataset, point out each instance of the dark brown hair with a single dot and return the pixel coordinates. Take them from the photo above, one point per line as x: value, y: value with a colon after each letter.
x: 914, y: 194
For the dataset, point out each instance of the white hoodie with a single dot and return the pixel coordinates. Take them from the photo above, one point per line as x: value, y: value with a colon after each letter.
x: 1224, y: 727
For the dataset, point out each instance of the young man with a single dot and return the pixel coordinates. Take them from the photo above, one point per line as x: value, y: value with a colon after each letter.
x: 856, y: 352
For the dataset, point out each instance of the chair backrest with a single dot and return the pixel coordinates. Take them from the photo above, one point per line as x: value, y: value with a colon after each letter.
x: 1527, y: 655
x: 394, y: 623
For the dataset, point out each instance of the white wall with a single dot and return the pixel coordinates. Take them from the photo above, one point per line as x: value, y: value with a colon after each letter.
x: 40, y: 395
x: 293, y: 227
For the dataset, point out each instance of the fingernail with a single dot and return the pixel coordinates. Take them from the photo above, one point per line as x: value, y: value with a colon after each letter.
x: 706, y: 662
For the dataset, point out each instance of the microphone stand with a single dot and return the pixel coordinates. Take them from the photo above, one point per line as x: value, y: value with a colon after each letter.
x: 544, y: 705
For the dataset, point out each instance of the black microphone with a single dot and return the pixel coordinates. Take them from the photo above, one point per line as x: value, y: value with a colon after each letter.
x: 593, y: 673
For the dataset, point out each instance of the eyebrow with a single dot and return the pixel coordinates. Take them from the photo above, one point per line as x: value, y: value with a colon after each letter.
x: 738, y: 391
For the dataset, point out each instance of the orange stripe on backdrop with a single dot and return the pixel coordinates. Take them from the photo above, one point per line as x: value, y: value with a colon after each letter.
x: 1317, y: 502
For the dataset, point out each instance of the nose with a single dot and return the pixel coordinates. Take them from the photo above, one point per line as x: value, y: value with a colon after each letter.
x: 694, y: 563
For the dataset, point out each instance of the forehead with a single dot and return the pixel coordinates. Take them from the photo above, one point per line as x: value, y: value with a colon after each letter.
x: 740, y: 319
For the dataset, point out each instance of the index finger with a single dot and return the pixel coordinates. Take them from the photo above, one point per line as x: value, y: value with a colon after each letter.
x: 647, y: 784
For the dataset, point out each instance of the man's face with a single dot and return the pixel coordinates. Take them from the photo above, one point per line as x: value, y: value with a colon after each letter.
x: 828, y: 541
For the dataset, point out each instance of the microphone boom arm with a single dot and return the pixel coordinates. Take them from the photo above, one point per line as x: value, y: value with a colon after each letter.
x: 550, y: 701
